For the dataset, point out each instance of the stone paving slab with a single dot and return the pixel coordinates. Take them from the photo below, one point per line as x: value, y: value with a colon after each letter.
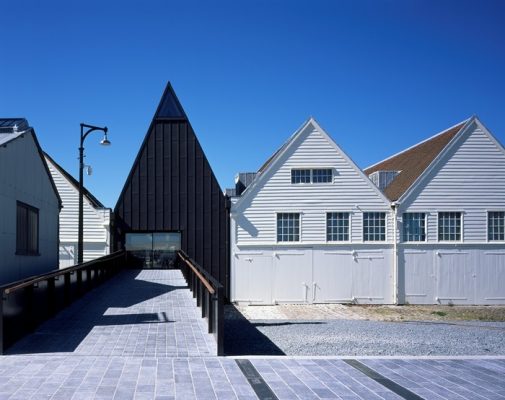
x: 144, y: 313
x: 141, y: 336
x: 446, y: 379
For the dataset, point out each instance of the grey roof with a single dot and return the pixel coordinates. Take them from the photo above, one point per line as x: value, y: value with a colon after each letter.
x: 12, y: 128
x: 230, y: 192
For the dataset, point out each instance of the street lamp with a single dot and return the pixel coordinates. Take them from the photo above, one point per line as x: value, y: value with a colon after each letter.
x: 103, y: 142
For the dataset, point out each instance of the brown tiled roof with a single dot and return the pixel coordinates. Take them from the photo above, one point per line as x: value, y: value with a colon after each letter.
x: 413, y: 162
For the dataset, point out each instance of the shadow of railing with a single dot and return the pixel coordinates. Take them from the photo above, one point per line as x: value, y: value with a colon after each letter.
x: 27, y: 303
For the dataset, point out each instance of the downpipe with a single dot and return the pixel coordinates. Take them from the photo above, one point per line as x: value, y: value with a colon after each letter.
x: 394, y: 207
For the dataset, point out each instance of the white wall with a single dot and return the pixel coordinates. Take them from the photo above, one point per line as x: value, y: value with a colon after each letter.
x: 23, y: 178
x: 471, y: 179
x: 96, y: 223
x: 265, y: 272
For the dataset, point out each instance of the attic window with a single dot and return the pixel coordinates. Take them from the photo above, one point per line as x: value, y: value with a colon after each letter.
x: 314, y: 175
x: 383, y: 178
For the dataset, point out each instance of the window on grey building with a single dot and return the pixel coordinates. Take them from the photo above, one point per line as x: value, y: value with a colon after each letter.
x: 374, y: 226
x: 288, y: 227
x: 300, y: 176
x: 414, y: 227
x: 27, y: 229
x: 496, y: 226
x: 449, y: 226
x: 337, y: 227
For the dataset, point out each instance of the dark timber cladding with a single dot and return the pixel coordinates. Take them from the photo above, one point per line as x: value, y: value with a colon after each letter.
x: 171, y: 188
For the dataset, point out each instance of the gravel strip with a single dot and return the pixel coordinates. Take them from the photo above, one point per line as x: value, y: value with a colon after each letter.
x: 363, y: 338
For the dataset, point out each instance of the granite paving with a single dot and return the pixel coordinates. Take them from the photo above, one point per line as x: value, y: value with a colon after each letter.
x: 141, y: 336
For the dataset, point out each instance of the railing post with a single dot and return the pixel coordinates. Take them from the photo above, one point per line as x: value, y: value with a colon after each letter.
x: 51, y: 302
x: 66, y: 288
x: 2, y: 322
x: 220, y: 321
x: 212, y: 311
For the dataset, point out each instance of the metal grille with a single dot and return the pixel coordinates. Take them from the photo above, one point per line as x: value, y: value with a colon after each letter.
x: 322, y: 175
x: 414, y: 227
x: 374, y: 226
x: 449, y: 226
x: 337, y: 227
x: 496, y: 225
x: 288, y: 227
x: 300, y: 176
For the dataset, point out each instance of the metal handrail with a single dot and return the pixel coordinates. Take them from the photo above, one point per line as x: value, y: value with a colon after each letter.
x: 206, y: 276
x: 12, y: 287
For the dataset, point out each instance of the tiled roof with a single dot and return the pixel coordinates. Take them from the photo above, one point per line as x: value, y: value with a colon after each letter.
x: 413, y: 162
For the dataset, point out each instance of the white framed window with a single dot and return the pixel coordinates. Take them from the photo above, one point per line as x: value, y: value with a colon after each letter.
x: 449, y: 226
x: 312, y: 175
x: 288, y: 227
x: 322, y: 175
x: 374, y: 226
x: 300, y: 176
x: 337, y: 227
x: 414, y: 227
x: 496, y: 226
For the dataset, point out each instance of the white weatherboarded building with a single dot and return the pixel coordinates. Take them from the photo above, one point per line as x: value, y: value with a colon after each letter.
x: 310, y: 227
x: 449, y: 193
x: 96, y: 219
x: 29, y: 205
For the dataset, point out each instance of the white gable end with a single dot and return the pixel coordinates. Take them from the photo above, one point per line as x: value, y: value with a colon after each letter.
x: 469, y: 178
x: 273, y: 192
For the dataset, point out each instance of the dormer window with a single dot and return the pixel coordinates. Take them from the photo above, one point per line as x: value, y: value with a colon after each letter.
x: 314, y: 175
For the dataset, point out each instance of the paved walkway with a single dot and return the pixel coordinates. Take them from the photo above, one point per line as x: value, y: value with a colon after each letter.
x: 140, y: 336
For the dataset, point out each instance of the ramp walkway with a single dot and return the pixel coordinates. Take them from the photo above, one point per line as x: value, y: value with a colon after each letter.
x: 139, y: 335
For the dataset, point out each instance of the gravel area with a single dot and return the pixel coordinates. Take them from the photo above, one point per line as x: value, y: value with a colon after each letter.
x: 342, y: 337
x: 376, y: 338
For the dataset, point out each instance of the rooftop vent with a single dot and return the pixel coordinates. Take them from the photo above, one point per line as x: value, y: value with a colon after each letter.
x: 13, y: 125
x: 382, y: 179
x: 242, y: 181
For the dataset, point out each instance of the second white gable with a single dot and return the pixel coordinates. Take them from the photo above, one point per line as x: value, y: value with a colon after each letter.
x: 351, y: 191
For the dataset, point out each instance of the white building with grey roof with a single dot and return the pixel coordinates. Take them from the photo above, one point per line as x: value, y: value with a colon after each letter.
x: 29, y: 205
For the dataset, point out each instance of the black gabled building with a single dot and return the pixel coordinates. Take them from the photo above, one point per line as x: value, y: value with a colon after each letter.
x: 172, y: 199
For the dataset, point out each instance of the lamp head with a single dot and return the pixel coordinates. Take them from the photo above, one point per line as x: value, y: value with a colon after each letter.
x: 105, y: 141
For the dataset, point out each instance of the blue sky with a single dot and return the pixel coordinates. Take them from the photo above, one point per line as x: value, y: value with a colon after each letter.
x: 377, y: 75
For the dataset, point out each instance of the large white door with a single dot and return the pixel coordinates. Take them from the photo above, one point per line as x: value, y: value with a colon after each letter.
x: 490, y: 279
x: 455, y: 278
x: 253, y: 278
x: 292, y: 276
x: 371, y: 279
x: 419, y: 271
x: 332, y: 279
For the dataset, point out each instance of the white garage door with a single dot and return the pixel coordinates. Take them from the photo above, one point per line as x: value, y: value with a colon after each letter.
x: 292, y: 276
x: 332, y: 280
x: 490, y: 278
x: 371, y: 280
x: 419, y: 276
x: 455, y: 278
x: 253, y: 278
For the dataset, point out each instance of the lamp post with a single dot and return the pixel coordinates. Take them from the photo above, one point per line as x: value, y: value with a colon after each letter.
x: 103, y: 142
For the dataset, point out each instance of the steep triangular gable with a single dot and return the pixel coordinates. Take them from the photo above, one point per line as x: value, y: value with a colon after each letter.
x: 172, y: 188
x: 275, y: 162
x: 440, y: 161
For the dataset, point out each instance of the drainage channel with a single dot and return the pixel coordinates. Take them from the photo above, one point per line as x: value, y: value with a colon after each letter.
x: 388, y: 383
x: 258, y: 384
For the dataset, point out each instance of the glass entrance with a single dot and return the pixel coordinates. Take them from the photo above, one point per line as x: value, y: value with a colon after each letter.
x: 152, y: 250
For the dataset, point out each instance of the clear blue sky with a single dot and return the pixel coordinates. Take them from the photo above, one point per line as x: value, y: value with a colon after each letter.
x: 377, y: 75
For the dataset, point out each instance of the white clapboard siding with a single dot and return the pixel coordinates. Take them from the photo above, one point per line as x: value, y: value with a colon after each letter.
x: 96, y: 222
x: 24, y: 178
x: 349, y: 192
x: 470, y: 179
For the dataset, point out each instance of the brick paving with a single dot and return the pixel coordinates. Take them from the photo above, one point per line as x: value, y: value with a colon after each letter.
x: 140, y: 336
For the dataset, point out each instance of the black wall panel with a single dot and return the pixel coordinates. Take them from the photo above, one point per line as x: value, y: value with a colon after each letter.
x: 171, y: 187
